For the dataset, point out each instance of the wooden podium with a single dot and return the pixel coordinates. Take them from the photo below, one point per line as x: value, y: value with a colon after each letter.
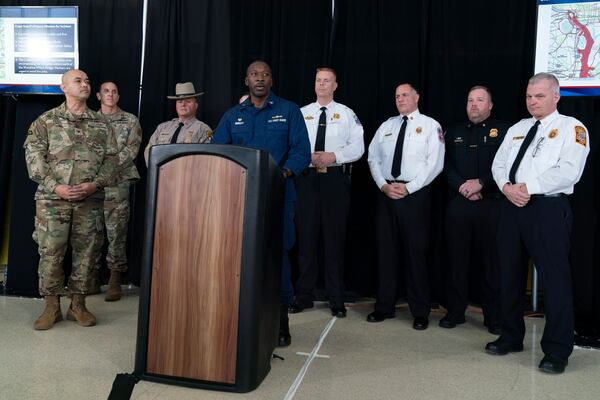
x: 211, y: 267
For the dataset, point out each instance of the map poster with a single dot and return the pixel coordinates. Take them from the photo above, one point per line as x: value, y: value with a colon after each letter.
x: 568, y: 44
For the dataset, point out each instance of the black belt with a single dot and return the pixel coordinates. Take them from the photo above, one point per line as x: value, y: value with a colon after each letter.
x: 395, y: 181
x: 548, y: 195
x: 345, y: 169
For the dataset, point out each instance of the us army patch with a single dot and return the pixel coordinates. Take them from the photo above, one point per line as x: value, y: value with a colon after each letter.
x: 553, y: 133
x: 493, y: 132
x: 581, y: 135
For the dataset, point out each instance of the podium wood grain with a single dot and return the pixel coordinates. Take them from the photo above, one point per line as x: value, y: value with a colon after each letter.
x: 193, y: 319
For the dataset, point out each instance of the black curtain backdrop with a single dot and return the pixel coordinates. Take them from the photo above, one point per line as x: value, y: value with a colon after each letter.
x: 7, y: 128
x: 110, y: 37
x: 443, y: 47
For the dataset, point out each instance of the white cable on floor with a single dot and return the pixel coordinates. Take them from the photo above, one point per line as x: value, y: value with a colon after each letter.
x: 292, y: 391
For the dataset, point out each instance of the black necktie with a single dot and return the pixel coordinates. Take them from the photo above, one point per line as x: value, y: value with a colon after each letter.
x: 176, y: 134
x: 320, y: 142
x: 398, y: 151
x: 521, y: 153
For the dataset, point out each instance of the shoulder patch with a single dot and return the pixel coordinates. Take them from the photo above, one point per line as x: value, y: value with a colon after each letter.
x: 580, y: 135
x: 357, y: 120
x: 441, y: 134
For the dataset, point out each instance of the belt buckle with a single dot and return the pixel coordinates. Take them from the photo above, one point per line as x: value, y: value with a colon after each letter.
x: 321, y: 170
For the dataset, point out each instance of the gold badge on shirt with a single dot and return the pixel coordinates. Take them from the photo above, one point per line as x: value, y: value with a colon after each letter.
x: 336, y: 116
x: 581, y: 135
x: 553, y: 133
x: 419, y: 129
x: 188, y: 136
x: 493, y: 132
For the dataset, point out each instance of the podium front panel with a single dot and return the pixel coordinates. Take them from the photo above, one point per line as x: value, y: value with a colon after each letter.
x: 195, y: 289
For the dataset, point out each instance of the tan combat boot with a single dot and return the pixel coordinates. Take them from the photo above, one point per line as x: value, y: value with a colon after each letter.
x: 114, y: 286
x: 78, y: 312
x: 50, y: 315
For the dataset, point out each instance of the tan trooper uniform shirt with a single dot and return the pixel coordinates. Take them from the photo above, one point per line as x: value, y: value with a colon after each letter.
x: 192, y: 131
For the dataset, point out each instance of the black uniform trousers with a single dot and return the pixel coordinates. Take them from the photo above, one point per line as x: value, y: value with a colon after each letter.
x: 542, y: 228
x: 321, y: 217
x: 403, y: 239
x: 471, y: 229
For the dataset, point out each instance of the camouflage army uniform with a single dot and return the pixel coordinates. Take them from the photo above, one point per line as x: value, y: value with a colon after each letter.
x: 128, y: 135
x: 192, y: 131
x: 66, y: 149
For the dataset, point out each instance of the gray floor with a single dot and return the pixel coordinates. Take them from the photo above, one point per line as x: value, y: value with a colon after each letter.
x: 355, y: 360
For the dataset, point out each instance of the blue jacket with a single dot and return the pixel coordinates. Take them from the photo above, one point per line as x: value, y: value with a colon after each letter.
x: 278, y: 127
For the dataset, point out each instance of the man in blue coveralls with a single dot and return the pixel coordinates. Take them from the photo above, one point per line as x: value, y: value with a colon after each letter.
x: 267, y: 122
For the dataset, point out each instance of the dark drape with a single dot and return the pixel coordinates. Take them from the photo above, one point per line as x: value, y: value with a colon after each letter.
x: 7, y: 128
x: 110, y: 37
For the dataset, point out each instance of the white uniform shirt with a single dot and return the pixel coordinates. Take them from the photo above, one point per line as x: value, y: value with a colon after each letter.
x: 553, y: 162
x: 344, y: 133
x: 422, y: 151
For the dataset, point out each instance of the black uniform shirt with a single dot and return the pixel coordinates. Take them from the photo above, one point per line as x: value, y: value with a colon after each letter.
x: 470, y: 151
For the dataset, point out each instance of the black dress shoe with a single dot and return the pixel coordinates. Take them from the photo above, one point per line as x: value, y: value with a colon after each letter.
x: 299, y: 307
x: 553, y: 364
x: 500, y: 348
x: 378, y: 316
x: 449, y: 322
x: 420, y: 323
x: 339, y: 312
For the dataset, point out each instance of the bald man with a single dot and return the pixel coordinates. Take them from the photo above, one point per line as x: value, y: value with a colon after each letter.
x: 71, y: 153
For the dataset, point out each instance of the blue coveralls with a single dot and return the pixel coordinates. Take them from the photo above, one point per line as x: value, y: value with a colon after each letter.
x: 277, y: 127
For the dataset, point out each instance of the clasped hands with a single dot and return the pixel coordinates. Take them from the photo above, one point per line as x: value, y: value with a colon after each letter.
x: 75, y: 192
x: 471, y: 189
x: 516, y: 194
x: 322, y: 159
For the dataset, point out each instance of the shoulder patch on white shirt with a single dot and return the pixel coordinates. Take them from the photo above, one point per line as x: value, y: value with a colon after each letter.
x: 580, y: 135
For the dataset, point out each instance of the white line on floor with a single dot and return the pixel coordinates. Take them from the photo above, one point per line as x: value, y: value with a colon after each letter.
x: 292, y: 390
x: 301, y: 353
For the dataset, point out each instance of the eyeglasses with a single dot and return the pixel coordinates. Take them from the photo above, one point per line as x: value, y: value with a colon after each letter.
x: 538, y: 146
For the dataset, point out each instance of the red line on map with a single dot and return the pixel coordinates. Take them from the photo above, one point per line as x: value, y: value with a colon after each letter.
x: 589, y: 42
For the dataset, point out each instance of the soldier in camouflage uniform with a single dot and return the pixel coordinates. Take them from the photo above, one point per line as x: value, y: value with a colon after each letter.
x: 71, y: 154
x: 128, y: 134
x: 185, y: 128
